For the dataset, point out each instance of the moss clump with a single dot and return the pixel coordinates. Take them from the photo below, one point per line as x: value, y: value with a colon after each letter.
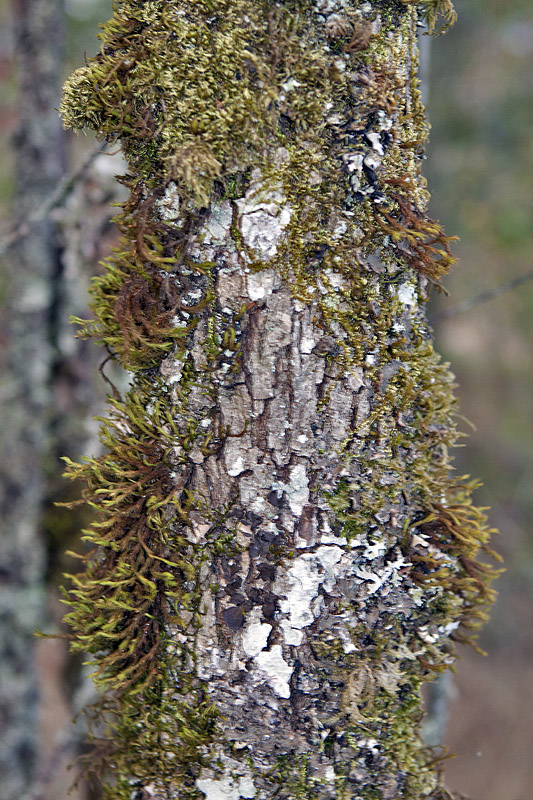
x: 140, y: 583
x: 150, y: 733
x: 129, y: 592
x: 444, y: 539
x: 433, y: 10
x: 203, y: 128
x: 445, y: 548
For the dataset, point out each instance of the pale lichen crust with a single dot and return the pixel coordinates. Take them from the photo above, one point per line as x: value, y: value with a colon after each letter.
x: 283, y: 554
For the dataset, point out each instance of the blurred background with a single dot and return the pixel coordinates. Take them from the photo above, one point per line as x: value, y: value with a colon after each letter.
x: 479, y: 84
x: 480, y: 173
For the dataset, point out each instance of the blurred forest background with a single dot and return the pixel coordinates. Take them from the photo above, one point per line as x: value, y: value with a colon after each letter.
x: 479, y: 85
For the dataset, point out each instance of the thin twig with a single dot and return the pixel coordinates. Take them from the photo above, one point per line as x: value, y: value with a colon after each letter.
x: 116, y: 393
x: 483, y: 297
x: 55, y: 200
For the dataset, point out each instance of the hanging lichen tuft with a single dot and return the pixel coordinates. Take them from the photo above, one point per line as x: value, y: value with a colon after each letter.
x: 283, y: 554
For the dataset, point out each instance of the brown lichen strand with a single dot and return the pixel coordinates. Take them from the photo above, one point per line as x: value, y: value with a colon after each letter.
x: 283, y: 554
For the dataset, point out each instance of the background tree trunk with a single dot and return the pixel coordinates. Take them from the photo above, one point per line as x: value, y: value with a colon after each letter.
x: 46, y: 397
x: 26, y: 370
x: 283, y: 555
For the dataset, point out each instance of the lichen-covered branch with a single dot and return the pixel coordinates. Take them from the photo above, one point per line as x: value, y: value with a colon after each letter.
x: 283, y: 554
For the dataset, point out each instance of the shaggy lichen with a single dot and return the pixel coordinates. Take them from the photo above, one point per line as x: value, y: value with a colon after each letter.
x: 279, y: 142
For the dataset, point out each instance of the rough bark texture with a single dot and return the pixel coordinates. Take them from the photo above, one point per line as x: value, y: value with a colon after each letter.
x: 283, y: 557
x: 26, y: 370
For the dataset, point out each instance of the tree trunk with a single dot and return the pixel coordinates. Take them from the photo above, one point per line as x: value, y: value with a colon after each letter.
x: 26, y: 372
x: 283, y: 556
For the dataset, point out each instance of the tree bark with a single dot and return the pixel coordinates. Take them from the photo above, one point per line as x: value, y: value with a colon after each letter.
x: 284, y: 555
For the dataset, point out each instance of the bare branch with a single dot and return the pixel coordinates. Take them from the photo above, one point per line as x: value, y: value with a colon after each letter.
x: 56, y: 199
x: 483, y: 297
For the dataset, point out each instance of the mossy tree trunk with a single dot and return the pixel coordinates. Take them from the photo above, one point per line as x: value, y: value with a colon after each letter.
x: 283, y: 555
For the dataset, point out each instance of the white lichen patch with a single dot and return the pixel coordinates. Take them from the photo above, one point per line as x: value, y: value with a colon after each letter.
x: 218, y: 225
x: 445, y: 630
x: 258, y: 505
x: 340, y: 229
x: 296, y: 490
x: 276, y: 670
x: 227, y: 788
x: 373, y: 138
x: 374, y: 550
x: 382, y: 575
x: 256, y: 633
x: 171, y: 368
x: 307, y: 574
x: 236, y: 467
x: 328, y: 537
x: 426, y: 636
x: 290, y: 85
x: 169, y: 205
x: 369, y: 744
x: 263, y: 216
x: 407, y: 294
x: 260, y: 284
x: 307, y: 343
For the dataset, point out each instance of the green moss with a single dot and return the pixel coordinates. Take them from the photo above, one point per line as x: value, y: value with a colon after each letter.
x: 150, y: 733
x: 140, y: 86
x: 290, y: 778
x: 216, y: 129
x: 139, y: 583
x: 433, y: 10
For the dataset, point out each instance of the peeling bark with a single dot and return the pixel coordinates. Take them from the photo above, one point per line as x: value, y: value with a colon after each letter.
x: 284, y: 555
